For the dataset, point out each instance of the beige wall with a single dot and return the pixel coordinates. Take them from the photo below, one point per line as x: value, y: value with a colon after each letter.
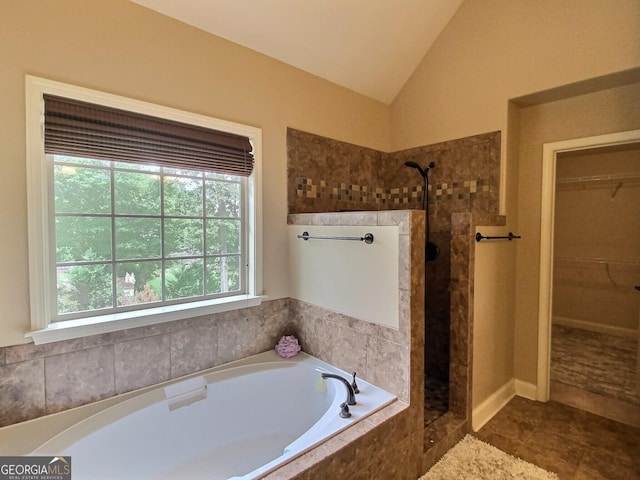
x: 122, y: 48
x: 599, y: 113
x: 493, y: 311
x: 493, y: 51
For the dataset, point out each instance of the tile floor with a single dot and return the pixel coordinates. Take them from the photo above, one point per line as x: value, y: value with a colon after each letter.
x: 575, y: 444
x: 595, y: 362
x: 436, y: 399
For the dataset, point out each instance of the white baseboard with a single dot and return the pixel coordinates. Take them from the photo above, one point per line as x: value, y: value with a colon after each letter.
x: 595, y: 327
x: 526, y: 389
x: 492, y: 405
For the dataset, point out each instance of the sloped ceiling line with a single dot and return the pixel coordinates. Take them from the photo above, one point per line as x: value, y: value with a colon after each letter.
x: 369, y: 46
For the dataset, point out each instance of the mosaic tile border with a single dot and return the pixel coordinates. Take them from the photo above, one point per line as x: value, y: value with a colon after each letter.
x: 462, y: 190
x: 458, y: 190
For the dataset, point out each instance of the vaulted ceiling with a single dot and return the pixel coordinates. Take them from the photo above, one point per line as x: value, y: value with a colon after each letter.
x: 369, y: 46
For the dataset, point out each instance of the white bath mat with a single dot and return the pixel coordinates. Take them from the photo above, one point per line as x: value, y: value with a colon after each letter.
x: 472, y: 459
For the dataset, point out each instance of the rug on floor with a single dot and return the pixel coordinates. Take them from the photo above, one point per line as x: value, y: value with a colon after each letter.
x: 474, y: 459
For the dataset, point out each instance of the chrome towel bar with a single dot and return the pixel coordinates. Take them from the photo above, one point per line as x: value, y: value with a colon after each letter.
x: 509, y: 237
x: 367, y: 238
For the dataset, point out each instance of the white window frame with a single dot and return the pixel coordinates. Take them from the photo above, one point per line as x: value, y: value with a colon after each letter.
x: 40, y: 210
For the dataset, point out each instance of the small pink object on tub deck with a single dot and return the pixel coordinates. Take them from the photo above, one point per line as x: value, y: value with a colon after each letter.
x: 288, y: 346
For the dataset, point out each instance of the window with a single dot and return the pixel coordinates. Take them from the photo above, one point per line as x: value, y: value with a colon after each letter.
x: 127, y: 228
x: 128, y: 235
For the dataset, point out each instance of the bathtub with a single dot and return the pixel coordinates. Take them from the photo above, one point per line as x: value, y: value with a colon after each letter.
x: 239, y: 421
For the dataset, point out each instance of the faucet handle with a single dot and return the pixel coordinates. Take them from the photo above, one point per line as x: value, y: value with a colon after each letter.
x: 344, y: 410
x: 354, y: 385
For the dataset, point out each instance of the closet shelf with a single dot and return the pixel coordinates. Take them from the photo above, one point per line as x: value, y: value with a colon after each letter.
x: 589, y: 272
x: 601, y: 284
x: 598, y: 261
x: 594, y: 179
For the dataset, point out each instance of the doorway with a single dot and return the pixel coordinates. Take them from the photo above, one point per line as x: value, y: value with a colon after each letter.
x: 588, y: 273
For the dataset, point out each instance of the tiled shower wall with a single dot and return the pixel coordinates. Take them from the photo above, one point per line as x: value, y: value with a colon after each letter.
x: 326, y: 175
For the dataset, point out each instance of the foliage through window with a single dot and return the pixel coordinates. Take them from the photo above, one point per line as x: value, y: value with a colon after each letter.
x: 129, y: 235
x: 138, y: 213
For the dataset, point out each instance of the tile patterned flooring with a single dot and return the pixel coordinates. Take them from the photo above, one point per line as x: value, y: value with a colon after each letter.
x: 575, y: 444
x: 595, y: 362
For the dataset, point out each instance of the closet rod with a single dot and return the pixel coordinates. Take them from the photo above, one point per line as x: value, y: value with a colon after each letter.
x: 509, y: 237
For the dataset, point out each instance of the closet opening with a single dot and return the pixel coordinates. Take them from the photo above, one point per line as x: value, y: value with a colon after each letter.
x: 594, y: 259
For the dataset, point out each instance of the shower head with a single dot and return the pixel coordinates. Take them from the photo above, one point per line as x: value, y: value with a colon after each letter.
x: 423, y: 171
x: 431, y: 249
x: 417, y: 167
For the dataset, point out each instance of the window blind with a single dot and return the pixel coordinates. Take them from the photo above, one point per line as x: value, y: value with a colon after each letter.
x: 83, y: 129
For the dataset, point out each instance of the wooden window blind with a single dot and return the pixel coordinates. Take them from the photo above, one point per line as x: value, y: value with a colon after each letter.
x: 83, y: 129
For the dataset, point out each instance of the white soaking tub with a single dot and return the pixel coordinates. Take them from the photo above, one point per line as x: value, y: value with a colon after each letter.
x: 238, y: 421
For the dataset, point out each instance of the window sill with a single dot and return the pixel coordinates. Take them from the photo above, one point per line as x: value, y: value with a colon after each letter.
x: 70, y: 329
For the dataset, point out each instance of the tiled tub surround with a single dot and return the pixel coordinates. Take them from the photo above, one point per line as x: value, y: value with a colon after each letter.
x: 386, y: 445
x: 37, y: 380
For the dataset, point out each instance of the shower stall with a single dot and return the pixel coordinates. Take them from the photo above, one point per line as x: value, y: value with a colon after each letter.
x: 437, y: 318
x: 458, y: 176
